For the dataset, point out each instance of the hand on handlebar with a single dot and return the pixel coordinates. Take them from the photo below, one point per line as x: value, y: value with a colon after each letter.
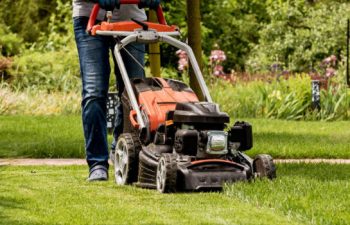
x: 108, y: 5
x: 153, y: 4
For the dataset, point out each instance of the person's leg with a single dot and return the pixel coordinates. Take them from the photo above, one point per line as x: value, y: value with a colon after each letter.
x: 135, y: 70
x: 95, y: 69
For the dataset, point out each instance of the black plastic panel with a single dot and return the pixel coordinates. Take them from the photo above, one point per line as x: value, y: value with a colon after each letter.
x: 186, y: 142
x: 242, y: 132
x: 199, y: 112
x: 178, y: 85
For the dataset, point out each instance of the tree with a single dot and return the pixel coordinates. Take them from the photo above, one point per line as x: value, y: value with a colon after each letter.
x: 195, y: 40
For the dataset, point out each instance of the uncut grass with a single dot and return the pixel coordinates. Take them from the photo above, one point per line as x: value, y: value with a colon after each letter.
x: 41, y: 136
x: 302, y: 194
x: 62, y: 137
x: 301, y: 139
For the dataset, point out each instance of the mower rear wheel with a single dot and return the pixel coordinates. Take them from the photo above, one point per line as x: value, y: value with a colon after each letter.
x: 126, y: 159
x: 166, y: 173
x: 264, y: 166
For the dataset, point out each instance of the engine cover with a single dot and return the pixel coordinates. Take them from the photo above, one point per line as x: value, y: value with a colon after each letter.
x: 199, y: 112
x: 157, y: 96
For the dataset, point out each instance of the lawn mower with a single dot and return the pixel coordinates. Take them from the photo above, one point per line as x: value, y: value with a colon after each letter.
x: 171, y: 140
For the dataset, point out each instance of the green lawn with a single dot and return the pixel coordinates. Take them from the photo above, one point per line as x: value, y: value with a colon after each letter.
x: 301, y: 139
x: 41, y: 136
x: 62, y: 137
x: 302, y: 194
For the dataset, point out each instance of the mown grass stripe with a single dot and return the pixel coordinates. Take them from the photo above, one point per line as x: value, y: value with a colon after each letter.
x: 302, y: 194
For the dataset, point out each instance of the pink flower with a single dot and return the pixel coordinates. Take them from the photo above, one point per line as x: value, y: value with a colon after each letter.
x: 218, y: 70
x: 217, y: 56
x: 183, y: 60
x: 330, y: 72
x: 331, y: 60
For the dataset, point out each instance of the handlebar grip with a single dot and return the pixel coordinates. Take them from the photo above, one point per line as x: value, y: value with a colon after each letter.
x: 160, y: 15
x: 92, y: 18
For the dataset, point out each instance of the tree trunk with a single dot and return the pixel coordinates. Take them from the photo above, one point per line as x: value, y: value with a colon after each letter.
x: 154, y: 50
x: 195, y: 40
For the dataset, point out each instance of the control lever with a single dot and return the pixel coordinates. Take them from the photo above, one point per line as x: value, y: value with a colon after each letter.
x: 109, y: 16
x: 142, y: 24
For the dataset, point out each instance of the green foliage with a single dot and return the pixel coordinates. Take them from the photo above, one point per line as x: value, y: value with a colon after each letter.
x: 254, y: 34
x: 293, y: 35
x: 175, y: 11
x: 51, y: 64
x: 300, y: 35
x: 230, y: 23
x: 50, y: 71
x: 284, y: 99
x: 27, y: 18
x: 335, y: 104
x: 233, y: 26
x: 10, y: 43
x: 59, y: 30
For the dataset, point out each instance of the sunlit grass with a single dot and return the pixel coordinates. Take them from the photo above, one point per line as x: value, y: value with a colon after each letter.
x: 302, y: 194
x: 41, y: 136
x: 33, y: 102
x: 301, y: 139
x: 62, y: 137
x: 316, y: 194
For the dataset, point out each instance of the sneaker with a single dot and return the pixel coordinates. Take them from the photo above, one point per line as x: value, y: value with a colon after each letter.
x: 98, y: 173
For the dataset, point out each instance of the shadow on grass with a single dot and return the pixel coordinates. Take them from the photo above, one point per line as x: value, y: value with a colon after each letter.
x: 8, y: 203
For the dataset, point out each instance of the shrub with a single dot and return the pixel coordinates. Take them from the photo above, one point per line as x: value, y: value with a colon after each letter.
x: 285, y: 99
x: 51, y: 64
x: 27, y: 18
x: 233, y: 25
x: 300, y: 35
x: 50, y: 71
x: 59, y: 30
x: 10, y: 43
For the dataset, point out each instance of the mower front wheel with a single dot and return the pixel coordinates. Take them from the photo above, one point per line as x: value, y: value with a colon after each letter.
x: 126, y: 159
x: 166, y: 173
x: 264, y: 166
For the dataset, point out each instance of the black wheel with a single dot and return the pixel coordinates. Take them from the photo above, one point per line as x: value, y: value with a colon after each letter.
x: 264, y: 166
x: 126, y: 159
x: 166, y: 173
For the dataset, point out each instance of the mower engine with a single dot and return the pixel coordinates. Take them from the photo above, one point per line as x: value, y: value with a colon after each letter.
x: 200, y: 130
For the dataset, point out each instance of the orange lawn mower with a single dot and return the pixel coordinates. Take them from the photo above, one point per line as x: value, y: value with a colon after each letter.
x: 171, y: 141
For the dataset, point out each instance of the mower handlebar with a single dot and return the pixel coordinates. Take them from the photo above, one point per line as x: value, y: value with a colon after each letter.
x: 96, y: 9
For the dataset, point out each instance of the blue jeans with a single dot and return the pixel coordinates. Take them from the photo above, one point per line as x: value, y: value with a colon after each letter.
x: 95, y: 71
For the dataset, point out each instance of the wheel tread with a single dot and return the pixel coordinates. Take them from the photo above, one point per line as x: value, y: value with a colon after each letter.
x: 268, y: 166
x: 133, y: 148
x: 171, y: 172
